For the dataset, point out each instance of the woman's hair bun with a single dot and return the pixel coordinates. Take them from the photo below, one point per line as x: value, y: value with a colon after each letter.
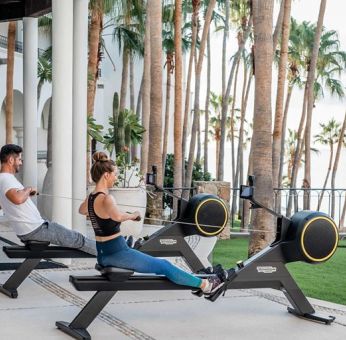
x: 100, y: 157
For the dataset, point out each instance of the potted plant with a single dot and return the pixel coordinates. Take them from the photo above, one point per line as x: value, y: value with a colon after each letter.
x: 129, y: 191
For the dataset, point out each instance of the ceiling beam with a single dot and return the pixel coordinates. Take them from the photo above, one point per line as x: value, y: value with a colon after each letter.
x: 17, y: 9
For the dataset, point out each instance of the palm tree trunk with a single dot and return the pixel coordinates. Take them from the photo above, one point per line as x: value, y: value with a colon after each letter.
x: 124, y: 79
x: 169, y: 59
x: 245, y: 221
x: 299, y: 147
x: 188, y: 84
x: 278, y: 25
x: 310, y: 84
x: 239, y: 172
x: 327, y: 176
x: 95, y: 28
x: 146, y: 94
x: 155, y: 129
x: 283, y: 136
x: 262, y: 147
x: 11, y: 42
x: 139, y: 100
x: 225, y: 99
x: 207, y: 21
x: 199, y: 146
x: 336, y: 164
x: 222, y: 154
x: 280, y: 92
x: 178, y: 101
x: 132, y: 85
x: 224, y: 46
x: 206, y: 110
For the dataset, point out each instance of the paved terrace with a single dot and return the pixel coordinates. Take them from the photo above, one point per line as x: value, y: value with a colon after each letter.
x: 242, y: 314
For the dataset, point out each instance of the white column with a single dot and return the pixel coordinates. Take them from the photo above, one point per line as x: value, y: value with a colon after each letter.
x: 30, y: 44
x: 79, y: 135
x: 62, y: 35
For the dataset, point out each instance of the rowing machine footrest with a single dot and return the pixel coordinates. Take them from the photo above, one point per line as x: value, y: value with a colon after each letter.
x: 36, y: 245
x: 113, y: 273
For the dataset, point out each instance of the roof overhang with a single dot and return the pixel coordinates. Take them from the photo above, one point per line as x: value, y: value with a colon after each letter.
x: 18, y: 9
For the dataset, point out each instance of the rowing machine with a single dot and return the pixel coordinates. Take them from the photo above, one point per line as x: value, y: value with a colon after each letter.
x: 204, y: 214
x: 308, y: 236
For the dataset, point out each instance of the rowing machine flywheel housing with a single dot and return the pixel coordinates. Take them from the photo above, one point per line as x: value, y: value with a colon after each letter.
x: 208, y: 213
x: 314, y: 236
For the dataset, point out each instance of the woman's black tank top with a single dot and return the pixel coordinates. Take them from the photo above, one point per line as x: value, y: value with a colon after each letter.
x: 101, y: 226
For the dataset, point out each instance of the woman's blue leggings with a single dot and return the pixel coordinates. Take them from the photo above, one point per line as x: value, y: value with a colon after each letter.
x: 116, y: 253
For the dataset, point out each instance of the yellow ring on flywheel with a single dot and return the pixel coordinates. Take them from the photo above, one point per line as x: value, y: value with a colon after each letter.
x: 302, y: 239
x: 198, y: 225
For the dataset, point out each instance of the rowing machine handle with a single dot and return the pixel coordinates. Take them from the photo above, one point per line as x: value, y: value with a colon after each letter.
x: 138, y: 217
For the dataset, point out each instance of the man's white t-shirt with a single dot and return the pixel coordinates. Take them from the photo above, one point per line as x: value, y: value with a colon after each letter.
x: 23, y: 218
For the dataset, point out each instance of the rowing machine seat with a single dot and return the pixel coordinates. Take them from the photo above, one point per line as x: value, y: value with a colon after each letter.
x: 36, y: 245
x: 113, y: 273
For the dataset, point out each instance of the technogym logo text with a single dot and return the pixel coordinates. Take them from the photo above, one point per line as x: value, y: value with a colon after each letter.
x: 168, y: 241
x: 266, y: 269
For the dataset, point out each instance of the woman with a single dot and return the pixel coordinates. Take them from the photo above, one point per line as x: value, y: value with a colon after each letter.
x: 112, y: 249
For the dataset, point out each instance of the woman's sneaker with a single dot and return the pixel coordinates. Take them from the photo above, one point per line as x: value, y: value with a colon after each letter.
x: 214, y: 283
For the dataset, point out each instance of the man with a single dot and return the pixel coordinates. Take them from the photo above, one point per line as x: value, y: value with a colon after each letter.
x: 21, y: 212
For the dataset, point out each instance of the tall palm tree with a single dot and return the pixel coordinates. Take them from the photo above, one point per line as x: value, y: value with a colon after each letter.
x: 262, y: 123
x: 194, y: 22
x: 155, y: 130
x: 196, y: 113
x: 178, y: 98
x: 277, y: 132
x: 336, y: 163
x: 244, y: 19
x: 310, y: 92
x: 146, y: 92
x: 206, y: 107
x: 330, y: 62
x: 168, y: 47
x: 328, y: 136
x: 11, y: 41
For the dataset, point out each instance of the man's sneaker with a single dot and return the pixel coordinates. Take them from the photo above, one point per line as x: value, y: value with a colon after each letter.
x: 214, y: 283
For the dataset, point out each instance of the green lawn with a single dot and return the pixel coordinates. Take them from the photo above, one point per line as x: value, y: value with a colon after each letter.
x: 326, y: 281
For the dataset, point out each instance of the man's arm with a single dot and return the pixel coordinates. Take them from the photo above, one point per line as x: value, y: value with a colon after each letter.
x: 19, y: 196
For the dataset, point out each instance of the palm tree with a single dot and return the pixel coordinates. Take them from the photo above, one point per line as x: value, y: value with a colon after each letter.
x: 178, y: 98
x: 328, y: 136
x: 155, y: 130
x: 277, y: 132
x: 128, y: 31
x: 198, y: 71
x: 336, y: 163
x: 194, y: 22
x: 310, y: 92
x: 262, y: 141
x: 206, y: 107
x: 11, y: 41
x: 240, y: 10
x: 330, y: 62
x: 168, y: 47
x: 146, y: 92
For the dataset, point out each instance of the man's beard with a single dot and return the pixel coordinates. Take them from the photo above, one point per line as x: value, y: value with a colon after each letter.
x: 17, y: 169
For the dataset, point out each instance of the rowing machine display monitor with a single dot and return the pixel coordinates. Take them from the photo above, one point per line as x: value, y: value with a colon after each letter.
x: 151, y: 177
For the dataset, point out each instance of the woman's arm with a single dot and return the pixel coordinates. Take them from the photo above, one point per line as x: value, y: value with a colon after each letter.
x: 83, y: 208
x: 114, y: 212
